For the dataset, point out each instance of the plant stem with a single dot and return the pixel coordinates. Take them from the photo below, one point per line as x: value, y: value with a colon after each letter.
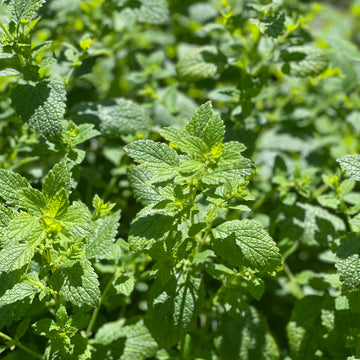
x: 97, y: 309
x: 297, y: 291
x: 21, y: 346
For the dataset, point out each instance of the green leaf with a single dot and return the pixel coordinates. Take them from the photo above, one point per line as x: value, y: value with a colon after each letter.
x: 58, y: 178
x: 271, y: 25
x: 304, y: 329
x: 302, y: 61
x: 199, y: 119
x: 160, y: 159
x: 24, y: 9
x: 58, y: 204
x: 348, y: 261
x: 124, y: 284
x: 10, y: 185
x: 173, y: 309
x: 231, y: 152
x: 140, y: 180
x: 32, y: 200
x: 139, y: 343
x: 77, y: 282
x: 245, y: 336
x: 200, y: 63
x: 115, y: 117
x: 351, y: 163
x: 15, y: 256
x: 185, y: 142
x: 224, y: 173
x: 150, y: 226
x: 76, y: 135
x: 77, y: 221
x: 20, y: 229
x: 214, y: 131
x: 246, y: 243
x: 42, y: 105
x: 15, y: 302
x: 104, y: 237
x: 152, y: 11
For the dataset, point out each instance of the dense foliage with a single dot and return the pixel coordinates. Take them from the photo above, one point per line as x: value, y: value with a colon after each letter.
x: 225, y: 133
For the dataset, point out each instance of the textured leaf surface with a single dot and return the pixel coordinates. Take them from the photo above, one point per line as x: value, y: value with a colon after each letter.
x: 15, y: 302
x: 10, y: 185
x: 271, y: 25
x: 114, y: 117
x: 139, y: 343
x: 42, y: 105
x: 149, y: 227
x: 302, y: 61
x: 185, y: 142
x: 245, y: 336
x: 245, y: 242
x: 152, y: 12
x: 19, y: 229
x: 105, y: 233
x: 144, y: 192
x: 153, y: 154
x: 77, y: 220
x: 24, y: 9
x: 160, y: 159
x: 214, y: 131
x: 351, y: 163
x: 32, y: 200
x: 348, y: 261
x: 59, y: 177
x: 201, y: 63
x: 304, y: 328
x: 234, y: 171
x: 199, y: 119
x: 15, y: 256
x: 77, y: 282
x: 173, y: 309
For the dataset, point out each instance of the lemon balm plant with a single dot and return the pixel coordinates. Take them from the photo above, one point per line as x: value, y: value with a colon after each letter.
x: 104, y: 109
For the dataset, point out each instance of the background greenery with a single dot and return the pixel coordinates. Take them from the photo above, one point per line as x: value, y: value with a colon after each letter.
x: 283, y: 76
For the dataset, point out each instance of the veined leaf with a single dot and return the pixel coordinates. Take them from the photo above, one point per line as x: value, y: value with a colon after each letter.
x: 246, y: 243
x: 139, y: 343
x: 77, y: 220
x: 10, y: 185
x: 105, y: 233
x: 140, y: 179
x: 245, y: 336
x: 15, y: 256
x: 185, y: 142
x: 199, y: 119
x: 351, y: 163
x: 33, y: 200
x: 173, y: 309
x: 152, y: 12
x: 201, y: 63
x: 58, y: 204
x: 224, y: 173
x: 15, y: 302
x: 77, y: 282
x: 150, y: 226
x: 58, y: 178
x: 348, y: 261
x: 114, y: 117
x: 24, y: 9
x: 302, y: 61
x: 160, y: 159
x: 214, y: 131
x: 20, y: 229
x: 42, y: 105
